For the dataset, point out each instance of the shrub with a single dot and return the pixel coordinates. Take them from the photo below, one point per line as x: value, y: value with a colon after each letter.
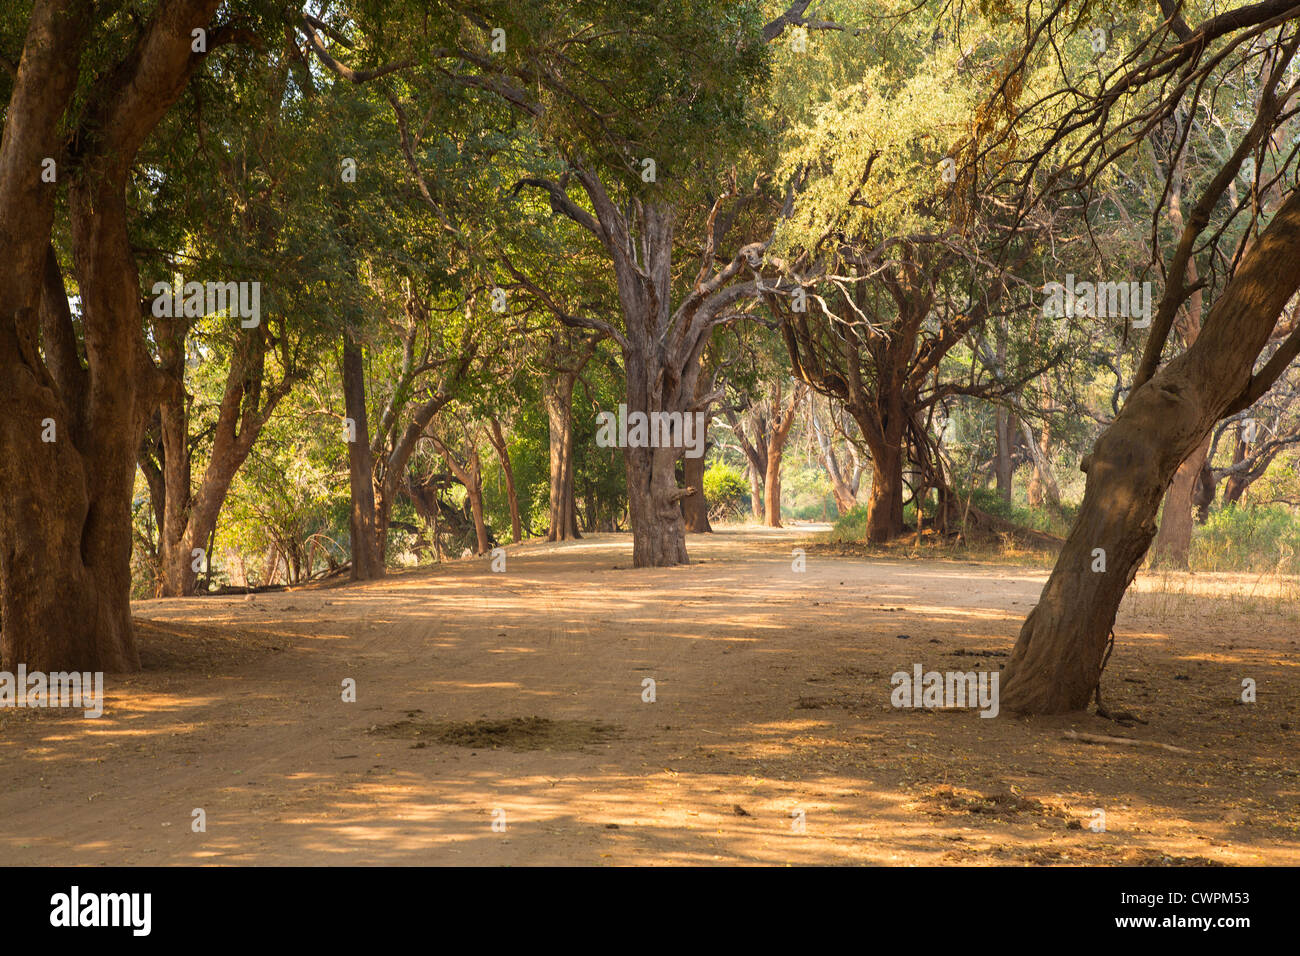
x: 725, y: 489
x: 1263, y: 538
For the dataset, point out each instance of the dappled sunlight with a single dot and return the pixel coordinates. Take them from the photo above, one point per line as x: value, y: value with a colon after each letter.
x: 771, y: 738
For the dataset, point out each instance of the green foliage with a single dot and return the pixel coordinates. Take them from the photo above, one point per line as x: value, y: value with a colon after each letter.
x: 725, y: 488
x: 853, y: 525
x: 1237, y: 538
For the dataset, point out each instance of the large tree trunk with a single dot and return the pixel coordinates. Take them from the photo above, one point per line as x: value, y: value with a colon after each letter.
x: 1174, y: 542
x: 658, y: 531
x: 65, y: 524
x: 49, y: 597
x: 885, y: 499
x: 652, y: 504
x: 1057, y: 660
x: 558, y: 397
x: 368, y: 546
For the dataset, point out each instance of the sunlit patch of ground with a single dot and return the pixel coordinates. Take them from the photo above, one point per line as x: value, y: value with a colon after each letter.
x: 751, y: 716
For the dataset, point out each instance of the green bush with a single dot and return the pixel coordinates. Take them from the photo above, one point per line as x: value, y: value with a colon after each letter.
x: 1263, y: 538
x: 725, y: 488
x: 852, y: 526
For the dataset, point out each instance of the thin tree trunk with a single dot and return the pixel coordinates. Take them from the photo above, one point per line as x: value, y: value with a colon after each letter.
x: 776, y: 437
x: 1235, y: 486
x: 1002, y: 468
x: 844, y: 493
x: 1043, y: 486
x: 368, y: 554
x: 503, y: 453
x: 475, y: 489
x: 469, y: 473
x: 558, y: 397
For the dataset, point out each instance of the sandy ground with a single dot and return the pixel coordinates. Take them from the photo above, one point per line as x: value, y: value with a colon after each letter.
x: 771, y: 738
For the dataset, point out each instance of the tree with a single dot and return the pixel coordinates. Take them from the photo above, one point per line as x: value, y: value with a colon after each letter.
x: 1058, y: 658
x: 896, y: 275
x: 87, y: 376
x: 633, y: 133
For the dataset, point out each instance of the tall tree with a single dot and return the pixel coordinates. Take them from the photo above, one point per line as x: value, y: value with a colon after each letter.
x: 84, y: 380
x: 1058, y: 658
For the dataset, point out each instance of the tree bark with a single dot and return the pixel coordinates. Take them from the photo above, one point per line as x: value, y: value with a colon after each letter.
x: 885, y: 498
x: 368, y: 548
x: 755, y: 492
x: 695, y: 508
x: 652, y: 504
x: 65, y: 527
x: 1174, y: 542
x: 1058, y: 657
x: 558, y: 398
x: 776, y: 436
x: 1002, y: 467
x: 498, y: 441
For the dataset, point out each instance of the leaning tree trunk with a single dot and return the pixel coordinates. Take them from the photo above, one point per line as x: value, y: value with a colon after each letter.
x: 1058, y: 657
x: 558, y: 398
x: 190, y: 518
x: 1236, y: 485
x: 503, y: 454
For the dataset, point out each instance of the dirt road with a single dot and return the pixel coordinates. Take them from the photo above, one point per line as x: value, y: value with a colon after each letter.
x: 771, y: 737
